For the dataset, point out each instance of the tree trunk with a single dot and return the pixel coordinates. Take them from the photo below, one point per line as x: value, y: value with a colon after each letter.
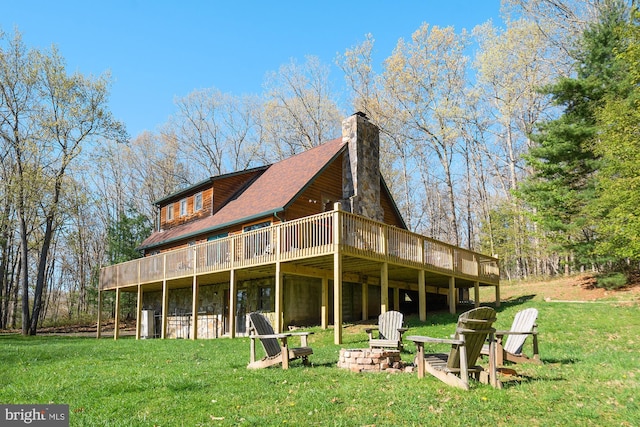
x: 452, y: 205
x: 14, y: 311
x: 42, y: 270
x: 4, y: 282
x: 24, y: 275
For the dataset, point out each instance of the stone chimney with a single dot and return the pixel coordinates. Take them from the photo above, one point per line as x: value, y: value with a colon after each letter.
x: 361, y: 167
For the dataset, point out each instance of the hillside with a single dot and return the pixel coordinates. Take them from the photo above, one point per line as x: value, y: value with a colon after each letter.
x: 574, y: 288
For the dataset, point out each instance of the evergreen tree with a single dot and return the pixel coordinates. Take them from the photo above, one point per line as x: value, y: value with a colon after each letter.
x: 562, y: 185
x: 618, y: 188
x: 125, y: 235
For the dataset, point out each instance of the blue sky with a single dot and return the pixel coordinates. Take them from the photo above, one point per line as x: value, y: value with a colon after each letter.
x: 159, y: 50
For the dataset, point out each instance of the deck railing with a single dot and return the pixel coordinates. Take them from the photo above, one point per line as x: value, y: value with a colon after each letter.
x: 307, y: 237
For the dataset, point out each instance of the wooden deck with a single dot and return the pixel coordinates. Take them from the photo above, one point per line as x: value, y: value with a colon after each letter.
x: 308, y: 242
x: 333, y: 245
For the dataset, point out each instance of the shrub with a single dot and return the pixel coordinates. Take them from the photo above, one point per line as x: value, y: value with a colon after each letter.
x: 611, y: 281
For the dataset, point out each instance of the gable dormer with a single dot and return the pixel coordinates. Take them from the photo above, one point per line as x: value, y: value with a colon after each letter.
x: 202, y: 199
x: 186, y: 205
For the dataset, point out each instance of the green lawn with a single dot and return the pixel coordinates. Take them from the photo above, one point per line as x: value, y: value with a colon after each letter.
x: 591, y: 376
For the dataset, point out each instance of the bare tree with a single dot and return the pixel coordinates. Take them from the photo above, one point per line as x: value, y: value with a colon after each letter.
x: 560, y: 20
x: 424, y: 82
x: 46, y: 118
x: 357, y: 66
x: 299, y: 112
x: 512, y: 66
x: 215, y: 132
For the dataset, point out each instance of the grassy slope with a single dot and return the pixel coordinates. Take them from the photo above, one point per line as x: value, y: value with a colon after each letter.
x: 591, y: 376
x: 573, y: 288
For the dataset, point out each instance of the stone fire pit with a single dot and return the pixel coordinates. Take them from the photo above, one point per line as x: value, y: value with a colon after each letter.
x: 370, y: 360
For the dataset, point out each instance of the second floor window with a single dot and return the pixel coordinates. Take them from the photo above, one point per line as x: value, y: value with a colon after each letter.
x: 183, y: 207
x: 197, y: 202
x: 170, y: 212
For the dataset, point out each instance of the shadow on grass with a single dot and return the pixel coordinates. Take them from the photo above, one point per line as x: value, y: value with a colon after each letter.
x: 515, y: 381
x: 519, y: 379
x: 508, y: 303
x: 443, y: 317
x: 325, y: 365
x: 547, y: 361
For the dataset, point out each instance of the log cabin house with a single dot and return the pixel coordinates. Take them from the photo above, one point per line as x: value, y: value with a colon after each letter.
x: 314, y: 239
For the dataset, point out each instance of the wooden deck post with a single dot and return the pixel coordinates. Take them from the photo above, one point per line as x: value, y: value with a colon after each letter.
x: 139, y: 312
x: 139, y: 305
x: 165, y: 309
x: 452, y: 295
x: 232, y: 303
x: 278, y: 327
x: 476, y: 294
x: 384, y: 288
x: 422, y: 296
x: 498, y: 295
x: 279, y: 285
x: 396, y: 299
x: 194, y: 308
x: 116, y: 325
x: 365, y: 300
x: 324, y: 314
x: 165, y: 299
x: 337, y: 298
x: 337, y: 275
x: 99, y: 326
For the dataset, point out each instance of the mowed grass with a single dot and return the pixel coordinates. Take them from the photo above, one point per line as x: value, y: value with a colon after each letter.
x: 590, y: 376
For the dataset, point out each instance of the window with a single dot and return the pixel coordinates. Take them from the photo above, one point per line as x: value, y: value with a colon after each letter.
x: 183, y: 207
x: 218, y: 253
x: 264, y: 299
x: 170, y: 212
x: 256, y: 226
x: 197, y: 202
x: 217, y: 236
x: 259, y: 242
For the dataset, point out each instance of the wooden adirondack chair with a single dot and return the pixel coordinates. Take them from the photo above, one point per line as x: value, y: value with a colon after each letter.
x: 474, y: 326
x: 276, y: 346
x: 524, y: 324
x: 389, y: 329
